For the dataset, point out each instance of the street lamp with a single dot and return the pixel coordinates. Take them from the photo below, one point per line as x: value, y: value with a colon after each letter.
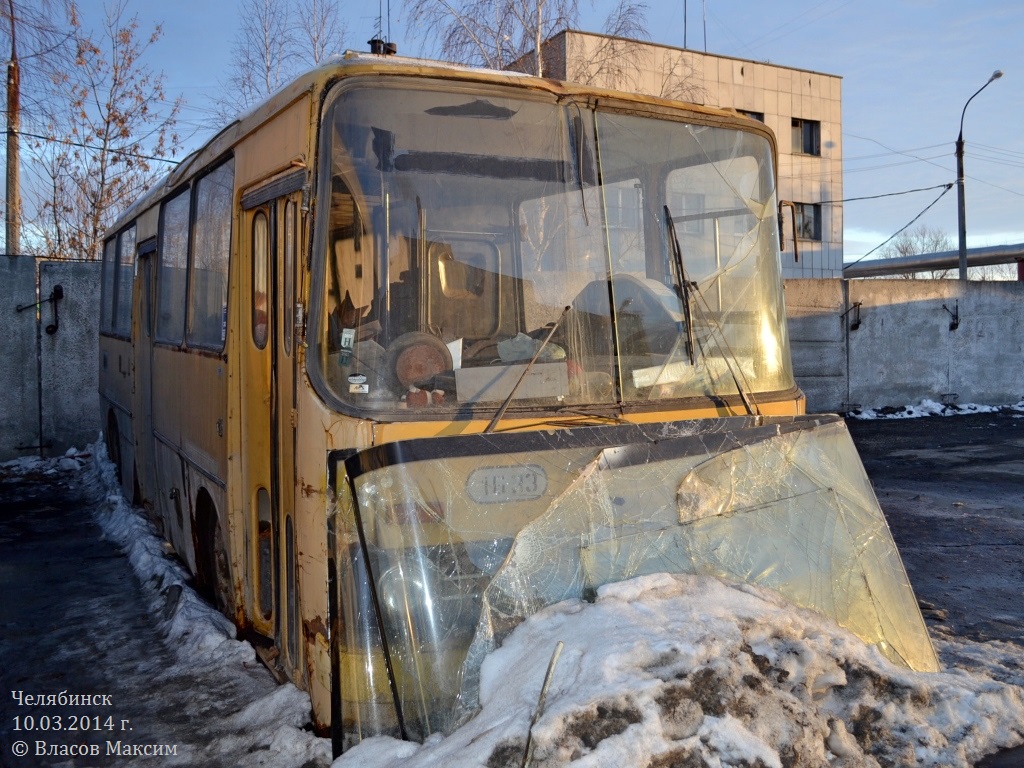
x: 961, y: 205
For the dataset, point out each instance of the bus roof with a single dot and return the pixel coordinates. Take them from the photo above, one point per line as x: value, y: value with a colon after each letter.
x: 355, y: 63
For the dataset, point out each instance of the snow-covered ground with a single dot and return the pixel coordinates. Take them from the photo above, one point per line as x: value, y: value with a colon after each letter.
x: 931, y: 408
x: 658, y: 672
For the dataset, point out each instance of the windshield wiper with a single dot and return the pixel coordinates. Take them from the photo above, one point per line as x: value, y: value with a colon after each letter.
x: 595, y: 415
x: 683, y: 285
x: 713, y: 326
x: 501, y: 411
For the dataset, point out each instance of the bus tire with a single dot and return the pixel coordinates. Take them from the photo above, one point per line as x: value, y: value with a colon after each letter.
x: 113, y: 440
x: 136, y: 488
x: 213, y: 569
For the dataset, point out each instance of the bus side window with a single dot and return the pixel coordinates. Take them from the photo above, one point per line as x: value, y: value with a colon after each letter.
x: 260, y: 271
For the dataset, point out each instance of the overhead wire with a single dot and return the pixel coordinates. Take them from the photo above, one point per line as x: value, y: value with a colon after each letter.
x: 887, y: 194
x: 123, y: 152
x: 903, y: 228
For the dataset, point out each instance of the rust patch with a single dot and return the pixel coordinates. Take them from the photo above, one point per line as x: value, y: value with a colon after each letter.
x: 308, y: 490
x: 314, y: 627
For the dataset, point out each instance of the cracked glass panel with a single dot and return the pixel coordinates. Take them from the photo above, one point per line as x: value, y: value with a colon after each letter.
x: 464, y: 542
x: 467, y: 224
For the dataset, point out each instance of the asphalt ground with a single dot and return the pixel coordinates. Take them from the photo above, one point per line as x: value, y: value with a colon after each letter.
x: 74, y: 620
x: 952, y: 488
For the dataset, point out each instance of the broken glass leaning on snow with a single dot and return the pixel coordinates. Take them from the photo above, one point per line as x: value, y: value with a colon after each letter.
x: 462, y: 547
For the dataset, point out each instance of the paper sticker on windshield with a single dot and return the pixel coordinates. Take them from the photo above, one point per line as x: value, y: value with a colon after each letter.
x: 498, y: 485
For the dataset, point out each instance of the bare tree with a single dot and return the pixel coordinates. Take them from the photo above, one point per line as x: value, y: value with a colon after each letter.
x: 993, y: 272
x: 320, y: 30
x: 509, y: 33
x: 263, y: 52
x: 105, y: 128
x: 917, y: 242
x: 679, y: 78
x: 275, y: 41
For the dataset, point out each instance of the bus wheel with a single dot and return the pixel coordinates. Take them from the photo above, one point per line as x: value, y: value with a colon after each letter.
x: 113, y: 440
x: 136, y: 488
x: 213, y: 569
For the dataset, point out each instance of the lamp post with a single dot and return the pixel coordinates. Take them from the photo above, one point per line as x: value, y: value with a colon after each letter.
x: 961, y: 205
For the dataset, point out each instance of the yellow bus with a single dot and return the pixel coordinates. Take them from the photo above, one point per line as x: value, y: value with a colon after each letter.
x: 412, y: 350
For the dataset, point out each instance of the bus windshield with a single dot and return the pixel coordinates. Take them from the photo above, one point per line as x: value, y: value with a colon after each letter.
x: 483, y: 245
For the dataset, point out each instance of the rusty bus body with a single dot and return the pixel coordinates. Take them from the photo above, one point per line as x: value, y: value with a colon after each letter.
x: 412, y: 350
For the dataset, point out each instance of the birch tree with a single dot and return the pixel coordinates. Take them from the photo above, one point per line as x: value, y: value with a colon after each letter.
x: 504, y: 33
x: 277, y: 39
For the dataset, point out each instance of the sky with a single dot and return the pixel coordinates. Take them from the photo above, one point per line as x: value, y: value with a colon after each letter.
x: 908, y: 68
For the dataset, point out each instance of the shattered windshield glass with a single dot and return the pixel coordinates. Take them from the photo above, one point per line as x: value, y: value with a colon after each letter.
x: 466, y: 224
x: 443, y: 547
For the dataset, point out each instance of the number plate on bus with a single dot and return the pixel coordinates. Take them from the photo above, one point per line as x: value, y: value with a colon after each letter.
x: 496, y: 485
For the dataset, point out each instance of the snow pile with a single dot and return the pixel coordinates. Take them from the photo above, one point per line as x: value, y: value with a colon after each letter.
x: 190, y: 625
x: 688, y: 671
x: 269, y: 731
x: 930, y: 408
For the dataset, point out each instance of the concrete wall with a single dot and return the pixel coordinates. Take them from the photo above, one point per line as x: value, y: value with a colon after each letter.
x: 70, y: 368
x: 66, y: 358
x: 818, y: 341
x: 19, y: 393
x: 872, y: 343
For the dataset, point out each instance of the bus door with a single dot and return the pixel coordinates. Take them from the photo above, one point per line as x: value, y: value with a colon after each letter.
x: 271, y: 239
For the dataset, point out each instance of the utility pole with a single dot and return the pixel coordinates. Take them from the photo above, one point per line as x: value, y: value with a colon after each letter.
x: 13, y: 230
x: 961, y: 204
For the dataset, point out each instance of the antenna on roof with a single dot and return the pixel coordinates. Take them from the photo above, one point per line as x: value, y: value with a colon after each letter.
x: 378, y: 45
x: 705, y: 26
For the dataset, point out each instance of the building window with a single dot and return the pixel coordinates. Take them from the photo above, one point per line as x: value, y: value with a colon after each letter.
x: 806, y: 137
x: 808, y: 220
x: 759, y: 116
x: 691, y: 209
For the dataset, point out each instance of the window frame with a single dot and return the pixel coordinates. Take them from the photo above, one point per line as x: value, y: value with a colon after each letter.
x: 262, y: 259
x: 809, y: 133
x: 192, y: 338
x: 126, y: 266
x: 108, y: 285
x: 116, y: 309
x: 800, y: 213
x: 159, y: 333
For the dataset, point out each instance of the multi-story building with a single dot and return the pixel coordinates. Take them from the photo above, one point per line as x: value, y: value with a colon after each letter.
x: 802, y: 107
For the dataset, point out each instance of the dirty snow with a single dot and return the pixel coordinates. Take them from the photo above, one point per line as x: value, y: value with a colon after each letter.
x: 688, y: 671
x: 930, y: 408
x: 213, y: 700
x: 660, y: 671
x: 273, y: 724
